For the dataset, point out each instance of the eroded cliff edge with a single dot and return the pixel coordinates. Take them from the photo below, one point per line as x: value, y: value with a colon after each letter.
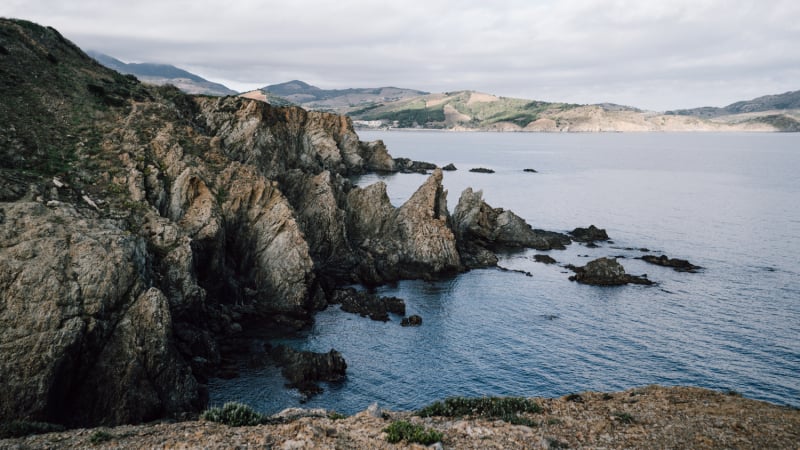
x: 141, y: 227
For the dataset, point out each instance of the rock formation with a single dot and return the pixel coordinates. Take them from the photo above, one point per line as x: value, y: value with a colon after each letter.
x: 366, y: 304
x: 304, y: 369
x: 605, y: 272
x: 589, y: 235
x: 482, y: 230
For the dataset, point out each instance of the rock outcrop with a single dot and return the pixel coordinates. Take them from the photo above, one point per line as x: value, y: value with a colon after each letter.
x: 589, y: 235
x: 367, y: 304
x: 605, y: 272
x: 482, y: 230
x: 304, y: 369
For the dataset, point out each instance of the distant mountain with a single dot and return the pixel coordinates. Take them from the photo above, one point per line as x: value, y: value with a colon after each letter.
x: 160, y: 74
x: 337, y: 100
x: 786, y: 101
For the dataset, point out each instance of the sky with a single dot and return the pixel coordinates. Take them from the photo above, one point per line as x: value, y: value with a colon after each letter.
x: 652, y: 54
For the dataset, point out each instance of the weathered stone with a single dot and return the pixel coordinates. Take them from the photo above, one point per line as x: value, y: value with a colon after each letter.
x: 481, y: 170
x: 449, y: 167
x: 544, y: 259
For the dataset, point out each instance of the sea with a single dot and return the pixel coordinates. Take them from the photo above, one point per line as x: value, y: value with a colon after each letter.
x: 729, y: 202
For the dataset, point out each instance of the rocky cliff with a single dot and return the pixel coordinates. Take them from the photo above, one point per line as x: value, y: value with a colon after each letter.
x: 142, y: 227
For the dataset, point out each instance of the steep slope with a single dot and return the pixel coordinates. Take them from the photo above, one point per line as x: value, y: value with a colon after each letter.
x: 161, y: 74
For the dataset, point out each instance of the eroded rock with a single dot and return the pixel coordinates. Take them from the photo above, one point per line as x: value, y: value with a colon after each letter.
x: 304, y: 369
x: 367, y: 304
x: 679, y: 265
x: 605, y: 272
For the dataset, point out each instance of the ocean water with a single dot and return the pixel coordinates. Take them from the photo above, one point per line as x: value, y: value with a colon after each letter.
x: 727, y: 202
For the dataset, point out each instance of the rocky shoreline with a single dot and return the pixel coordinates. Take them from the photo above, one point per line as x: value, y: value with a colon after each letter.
x: 650, y: 417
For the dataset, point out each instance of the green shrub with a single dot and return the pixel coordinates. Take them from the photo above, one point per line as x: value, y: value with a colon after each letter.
x: 19, y: 428
x: 333, y: 415
x: 100, y: 436
x: 233, y: 414
x: 624, y: 417
x: 402, y: 430
x: 489, y: 407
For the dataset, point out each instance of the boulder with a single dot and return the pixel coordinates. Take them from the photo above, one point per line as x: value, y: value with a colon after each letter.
x: 589, y: 235
x: 449, y: 167
x: 411, y: 321
x: 605, y: 272
x: 406, y: 165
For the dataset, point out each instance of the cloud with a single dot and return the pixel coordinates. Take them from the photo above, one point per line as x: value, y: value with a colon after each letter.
x: 658, y: 55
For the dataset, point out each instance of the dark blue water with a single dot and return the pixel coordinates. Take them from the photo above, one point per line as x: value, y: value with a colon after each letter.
x: 727, y: 202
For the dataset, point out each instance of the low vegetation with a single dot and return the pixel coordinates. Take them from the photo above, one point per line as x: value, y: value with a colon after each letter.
x: 507, y: 409
x: 402, y: 430
x: 233, y: 414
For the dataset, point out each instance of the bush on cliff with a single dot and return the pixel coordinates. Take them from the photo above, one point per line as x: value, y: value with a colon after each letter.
x: 503, y: 408
x: 233, y: 414
x: 402, y: 430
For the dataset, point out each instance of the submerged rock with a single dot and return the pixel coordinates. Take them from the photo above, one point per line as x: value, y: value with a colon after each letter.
x: 589, y: 235
x: 411, y: 321
x: 605, y: 272
x: 304, y: 369
x: 481, y: 170
x: 679, y: 265
x: 530, y: 170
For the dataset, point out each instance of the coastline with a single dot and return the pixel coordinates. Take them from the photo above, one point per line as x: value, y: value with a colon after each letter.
x: 647, y: 417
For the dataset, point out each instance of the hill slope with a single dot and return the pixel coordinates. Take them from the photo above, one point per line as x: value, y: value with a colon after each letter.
x: 161, y: 74
x: 781, y: 102
x: 337, y: 100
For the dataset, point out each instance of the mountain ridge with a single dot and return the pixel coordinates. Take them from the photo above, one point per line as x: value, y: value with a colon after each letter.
x: 161, y: 74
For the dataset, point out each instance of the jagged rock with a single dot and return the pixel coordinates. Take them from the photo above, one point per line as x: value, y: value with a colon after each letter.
x: 589, y: 235
x: 366, y: 304
x: 481, y: 230
x: 376, y: 158
x: 449, y: 167
x: 413, y: 241
x: 481, y: 170
x: 605, y: 272
x: 303, y: 369
x: 544, y: 259
x: 411, y: 321
x: 679, y: 265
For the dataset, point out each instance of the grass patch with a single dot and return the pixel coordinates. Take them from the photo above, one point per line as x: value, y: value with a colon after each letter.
x: 233, y: 414
x: 402, y: 430
x: 100, y: 436
x: 507, y: 409
x: 624, y: 417
x: 333, y: 415
x: 20, y: 428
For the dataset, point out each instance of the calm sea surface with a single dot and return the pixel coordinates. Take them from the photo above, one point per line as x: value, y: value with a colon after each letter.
x: 727, y: 202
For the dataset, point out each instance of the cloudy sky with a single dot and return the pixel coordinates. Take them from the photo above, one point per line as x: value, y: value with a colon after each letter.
x: 658, y: 55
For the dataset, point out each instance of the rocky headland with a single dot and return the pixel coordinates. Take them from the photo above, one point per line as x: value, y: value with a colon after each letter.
x: 146, y: 233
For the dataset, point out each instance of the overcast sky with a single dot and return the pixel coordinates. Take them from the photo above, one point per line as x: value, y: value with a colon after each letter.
x: 652, y: 54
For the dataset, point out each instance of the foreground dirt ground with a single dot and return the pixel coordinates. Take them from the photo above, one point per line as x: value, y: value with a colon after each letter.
x: 653, y: 417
